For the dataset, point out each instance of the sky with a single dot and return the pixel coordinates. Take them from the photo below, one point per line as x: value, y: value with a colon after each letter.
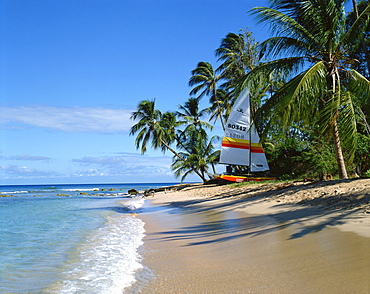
x: 73, y: 71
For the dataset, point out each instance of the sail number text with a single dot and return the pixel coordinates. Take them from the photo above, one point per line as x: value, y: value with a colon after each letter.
x: 237, y: 127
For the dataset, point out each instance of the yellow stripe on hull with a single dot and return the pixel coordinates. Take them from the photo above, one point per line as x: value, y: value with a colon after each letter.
x: 239, y: 179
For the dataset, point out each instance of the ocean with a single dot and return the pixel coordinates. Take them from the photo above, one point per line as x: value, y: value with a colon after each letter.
x: 70, y: 238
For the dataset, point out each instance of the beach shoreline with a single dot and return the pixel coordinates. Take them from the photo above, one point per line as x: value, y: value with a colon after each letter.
x: 347, y: 200
x: 218, y: 239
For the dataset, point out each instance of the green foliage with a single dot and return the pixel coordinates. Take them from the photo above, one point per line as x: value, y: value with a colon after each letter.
x: 362, y: 156
x: 196, y: 149
x: 309, y: 94
x: 296, y: 154
x: 310, y: 47
x: 318, y: 161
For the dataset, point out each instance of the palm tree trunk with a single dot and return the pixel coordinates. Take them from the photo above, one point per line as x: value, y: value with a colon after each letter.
x: 219, y: 107
x: 213, y: 168
x: 182, y: 158
x: 354, y: 4
x: 338, y: 152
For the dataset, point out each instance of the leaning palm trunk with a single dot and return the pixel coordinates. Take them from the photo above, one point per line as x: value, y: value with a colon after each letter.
x: 219, y: 107
x: 338, y: 152
x: 334, y: 86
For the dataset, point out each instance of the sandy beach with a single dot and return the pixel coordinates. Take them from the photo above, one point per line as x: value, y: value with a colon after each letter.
x: 264, y: 238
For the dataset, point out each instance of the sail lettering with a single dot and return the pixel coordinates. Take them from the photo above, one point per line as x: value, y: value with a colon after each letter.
x: 237, y: 127
x: 234, y: 136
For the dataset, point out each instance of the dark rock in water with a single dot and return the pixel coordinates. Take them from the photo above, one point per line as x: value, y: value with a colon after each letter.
x: 133, y: 192
x: 149, y: 193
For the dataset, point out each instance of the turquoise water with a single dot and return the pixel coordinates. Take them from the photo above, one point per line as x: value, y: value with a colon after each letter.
x: 70, y: 238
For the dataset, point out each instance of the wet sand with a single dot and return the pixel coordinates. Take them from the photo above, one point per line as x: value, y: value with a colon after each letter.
x: 206, y: 244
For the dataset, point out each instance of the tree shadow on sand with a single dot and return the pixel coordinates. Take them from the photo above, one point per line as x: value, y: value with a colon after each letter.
x: 217, y: 225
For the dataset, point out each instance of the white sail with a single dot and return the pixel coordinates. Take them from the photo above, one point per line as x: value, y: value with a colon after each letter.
x: 240, y: 144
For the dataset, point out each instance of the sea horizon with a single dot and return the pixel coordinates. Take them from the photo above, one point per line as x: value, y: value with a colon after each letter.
x: 97, y: 183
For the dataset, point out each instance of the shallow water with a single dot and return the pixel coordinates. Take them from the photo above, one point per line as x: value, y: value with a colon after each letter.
x: 70, y: 239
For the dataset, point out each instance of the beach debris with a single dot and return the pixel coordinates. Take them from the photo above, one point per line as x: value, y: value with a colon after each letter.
x: 284, y: 186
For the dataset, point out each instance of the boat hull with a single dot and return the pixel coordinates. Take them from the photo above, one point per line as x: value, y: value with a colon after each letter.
x: 239, y: 179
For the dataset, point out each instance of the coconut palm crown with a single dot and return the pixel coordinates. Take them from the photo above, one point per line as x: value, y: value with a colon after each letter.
x: 310, y: 47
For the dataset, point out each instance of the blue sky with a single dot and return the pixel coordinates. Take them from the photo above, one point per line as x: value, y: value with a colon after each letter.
x: 72, y: 72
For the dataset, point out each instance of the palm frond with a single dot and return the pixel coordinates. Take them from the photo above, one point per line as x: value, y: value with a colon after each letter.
x: 282, y: 24
x: 359, y: 85
x: 273, y: 47
x: 296, y: 100
x: 284, y: 66
x: 355, y: 32
x: 348, y: 126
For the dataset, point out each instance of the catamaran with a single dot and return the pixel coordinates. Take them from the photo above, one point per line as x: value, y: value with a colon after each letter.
x: 241, y: 146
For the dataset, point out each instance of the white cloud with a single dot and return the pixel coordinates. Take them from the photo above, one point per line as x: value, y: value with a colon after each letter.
x: 29, y: 158
x: 15, y: 171
x: 67, y: 119
x: 103, y: 161
x: 128, y: 164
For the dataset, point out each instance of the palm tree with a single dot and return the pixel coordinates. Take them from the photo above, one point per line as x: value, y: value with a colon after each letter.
x: 193, y: 139
x: 310, y: 48
x: 148, y: 126
x: 201, y: 155
x: 155, y: 127
x: 204, y: 79
x: 221, y: 105
x: 192, y: 115
x: 239, y: 55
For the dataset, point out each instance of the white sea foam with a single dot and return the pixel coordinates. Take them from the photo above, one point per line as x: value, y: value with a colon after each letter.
x: 107, y: 260
x: 14, y: 192
x: 134, y: 203
x: 79, y: 190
